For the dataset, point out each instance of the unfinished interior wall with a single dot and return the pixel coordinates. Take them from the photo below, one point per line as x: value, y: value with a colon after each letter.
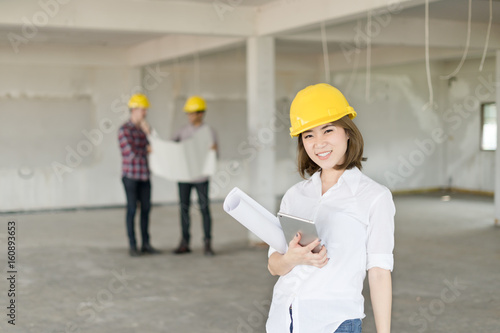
x: 411, y: 147
x: 468, y: 167
x: 398, y: 131
x: 61, y: 115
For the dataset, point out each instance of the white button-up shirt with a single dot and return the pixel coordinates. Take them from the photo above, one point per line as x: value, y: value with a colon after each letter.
x: 355, y: 221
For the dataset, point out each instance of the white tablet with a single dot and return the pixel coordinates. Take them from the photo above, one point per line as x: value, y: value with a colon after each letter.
x: 292, y: 225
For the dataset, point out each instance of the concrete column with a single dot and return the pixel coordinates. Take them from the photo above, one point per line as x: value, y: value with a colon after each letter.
x: 497, y: 153
x: 260, y: 117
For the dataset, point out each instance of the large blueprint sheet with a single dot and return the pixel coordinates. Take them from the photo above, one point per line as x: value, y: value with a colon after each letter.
x: 183, y: 161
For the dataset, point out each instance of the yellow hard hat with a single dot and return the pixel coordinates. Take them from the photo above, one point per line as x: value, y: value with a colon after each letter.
x: 317, y: 105
x: 195, y: 104
x: 138, y: 101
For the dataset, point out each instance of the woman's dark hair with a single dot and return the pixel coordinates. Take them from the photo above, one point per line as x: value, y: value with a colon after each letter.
x: 353, y: 154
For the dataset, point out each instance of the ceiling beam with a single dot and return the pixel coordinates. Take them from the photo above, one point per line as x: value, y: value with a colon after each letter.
x: 177, y: 46
x: 406, y: 31
x: 294, y: 15
x: 127, y: 16
x: 384, y: 56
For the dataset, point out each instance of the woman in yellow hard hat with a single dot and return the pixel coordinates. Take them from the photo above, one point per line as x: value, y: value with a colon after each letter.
x: 354, y: 216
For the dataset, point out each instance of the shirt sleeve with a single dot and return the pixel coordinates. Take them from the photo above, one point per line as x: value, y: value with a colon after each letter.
x: 283, y: 209
x: 125, y: 139
x: 215, y: 140
x: 177, y: 136
x: 380, y: 242
x: 214, y: 136
x: 271, y: 251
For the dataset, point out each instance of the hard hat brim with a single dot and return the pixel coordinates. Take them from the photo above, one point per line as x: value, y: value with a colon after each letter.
x: 193, y: 111
x: 137, y: 106
x: 310, y: 125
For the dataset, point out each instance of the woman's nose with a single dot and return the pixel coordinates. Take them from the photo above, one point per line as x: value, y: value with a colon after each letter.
x: 319, y: 142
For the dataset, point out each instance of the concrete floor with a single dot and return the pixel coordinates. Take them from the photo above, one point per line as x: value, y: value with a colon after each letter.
x: 75, y: 274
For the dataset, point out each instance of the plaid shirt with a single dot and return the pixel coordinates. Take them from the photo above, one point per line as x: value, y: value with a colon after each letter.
x: 133, y: 145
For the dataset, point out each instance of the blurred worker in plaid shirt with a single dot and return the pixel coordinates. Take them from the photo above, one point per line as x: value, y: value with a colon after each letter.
x: 135, y: 147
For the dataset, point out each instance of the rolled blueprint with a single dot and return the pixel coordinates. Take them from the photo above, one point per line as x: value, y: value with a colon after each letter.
x: 255, y: 218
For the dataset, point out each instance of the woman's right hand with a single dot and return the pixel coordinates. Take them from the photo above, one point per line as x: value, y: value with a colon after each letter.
x: 303, y: 255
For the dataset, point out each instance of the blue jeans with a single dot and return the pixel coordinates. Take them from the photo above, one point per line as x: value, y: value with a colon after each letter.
x: 348, y: 326
x: 137, y: 191
x: 203, y: 200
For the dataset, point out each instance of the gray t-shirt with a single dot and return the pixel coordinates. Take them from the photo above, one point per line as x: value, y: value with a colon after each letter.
x: 188, y: 131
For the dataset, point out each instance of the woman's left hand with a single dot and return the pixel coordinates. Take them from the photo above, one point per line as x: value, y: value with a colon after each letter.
x: 303, y: 255
x: 281, y: 264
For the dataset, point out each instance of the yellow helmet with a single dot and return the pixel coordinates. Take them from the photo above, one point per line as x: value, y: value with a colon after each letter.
x: 195, y: 104
x: 138, y: 101
x: 317, y: 105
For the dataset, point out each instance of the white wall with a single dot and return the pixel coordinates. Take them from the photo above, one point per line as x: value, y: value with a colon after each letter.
x: 467, y: 166
x: 395, y: 124
x: 47, y: 102
x: 411, y: 147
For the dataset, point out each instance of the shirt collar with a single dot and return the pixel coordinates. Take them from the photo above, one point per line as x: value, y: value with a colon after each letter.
x: 351, y: 177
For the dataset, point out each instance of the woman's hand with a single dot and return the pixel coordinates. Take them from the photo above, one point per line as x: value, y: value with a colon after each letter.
x: 303, y: 255
x: 281, y: 264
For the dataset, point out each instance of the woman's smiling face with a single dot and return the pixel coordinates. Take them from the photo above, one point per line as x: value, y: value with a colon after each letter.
x: 326, y: 145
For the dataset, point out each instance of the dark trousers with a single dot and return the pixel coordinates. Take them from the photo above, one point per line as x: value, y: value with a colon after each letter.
x: 137, y: 191
x: 185, y: 202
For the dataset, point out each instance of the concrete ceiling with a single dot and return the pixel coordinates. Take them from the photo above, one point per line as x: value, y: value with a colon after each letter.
x: 448, y: 10
x: 111, y: 38
x: 457, y: 10
x: 50, y: 36
x: 243, y: 3
x: 165, y: 22
x: 451, y: 14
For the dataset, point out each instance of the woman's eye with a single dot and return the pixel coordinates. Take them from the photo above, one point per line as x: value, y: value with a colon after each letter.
x: 308, y: 136
x: 328, y: 131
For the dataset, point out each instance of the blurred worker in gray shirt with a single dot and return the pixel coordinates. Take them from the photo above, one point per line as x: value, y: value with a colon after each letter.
x: 195, y: 109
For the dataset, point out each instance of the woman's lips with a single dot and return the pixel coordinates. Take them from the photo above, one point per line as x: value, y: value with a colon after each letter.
x: 324, y: 155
